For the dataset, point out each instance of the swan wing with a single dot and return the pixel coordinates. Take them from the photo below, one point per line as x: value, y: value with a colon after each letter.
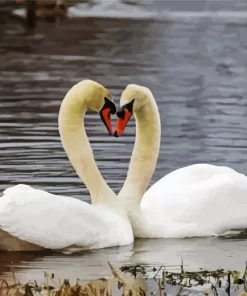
x: 57, y: 222
x: 182, y: 179
x: 216, y: 205
x: 211, y: 205
x: 186, y: 177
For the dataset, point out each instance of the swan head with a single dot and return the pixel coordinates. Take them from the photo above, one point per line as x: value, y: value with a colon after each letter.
x: 133, y: 99
x: 95, y: 97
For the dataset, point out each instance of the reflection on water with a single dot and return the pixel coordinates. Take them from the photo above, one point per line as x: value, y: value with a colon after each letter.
x: 208, y: 253
x: 115, y: 277
x: 197, y: 72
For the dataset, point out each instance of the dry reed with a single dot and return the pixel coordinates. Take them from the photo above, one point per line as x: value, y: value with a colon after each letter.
x: 129, y: 281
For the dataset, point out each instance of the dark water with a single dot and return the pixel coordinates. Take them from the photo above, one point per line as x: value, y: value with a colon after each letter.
x: 193, y: 60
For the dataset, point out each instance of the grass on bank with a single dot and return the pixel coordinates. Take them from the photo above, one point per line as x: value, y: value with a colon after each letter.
x: 132, y: 281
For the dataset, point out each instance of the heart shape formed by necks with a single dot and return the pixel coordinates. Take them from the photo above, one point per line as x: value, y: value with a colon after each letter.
x: 123, y: 119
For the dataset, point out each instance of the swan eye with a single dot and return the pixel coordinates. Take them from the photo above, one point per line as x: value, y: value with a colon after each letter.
x: 129, y: 106
x: 109, y: 104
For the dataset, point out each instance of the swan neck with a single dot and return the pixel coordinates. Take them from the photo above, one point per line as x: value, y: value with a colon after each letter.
x: 79, y: 151
x: 142, y: 224
x: 145, y: 153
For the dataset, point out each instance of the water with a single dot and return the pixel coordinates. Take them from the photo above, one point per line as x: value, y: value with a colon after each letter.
x: 196, y: 253
x: 191, y: 54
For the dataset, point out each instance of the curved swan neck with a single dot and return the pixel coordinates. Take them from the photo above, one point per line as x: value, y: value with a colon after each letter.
x: 145, y: 153
x: 78, y: 149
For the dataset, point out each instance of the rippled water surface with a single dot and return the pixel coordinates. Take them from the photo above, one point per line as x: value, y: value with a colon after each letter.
x: 194, y: 61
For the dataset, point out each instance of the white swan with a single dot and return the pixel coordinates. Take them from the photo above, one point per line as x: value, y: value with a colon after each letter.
x: 197, y: 200
x: 32, y: 219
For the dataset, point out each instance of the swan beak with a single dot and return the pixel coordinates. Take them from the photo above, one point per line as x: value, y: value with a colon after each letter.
x: 123, y: 119
x: 105, y: 115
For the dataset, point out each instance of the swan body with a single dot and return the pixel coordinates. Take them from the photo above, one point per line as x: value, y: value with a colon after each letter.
x: 197, y: 200
x: 32, y: 219
x: 210, y: 203
x: 60, y: 222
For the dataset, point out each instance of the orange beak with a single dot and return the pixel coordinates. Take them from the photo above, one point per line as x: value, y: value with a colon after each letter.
x: 123, y: 119
x: 105, y: 115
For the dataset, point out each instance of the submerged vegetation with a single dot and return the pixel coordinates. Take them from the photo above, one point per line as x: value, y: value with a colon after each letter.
x: 133, y: 280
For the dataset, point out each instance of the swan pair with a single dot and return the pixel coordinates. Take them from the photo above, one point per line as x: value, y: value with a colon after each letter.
x: 198, y: 200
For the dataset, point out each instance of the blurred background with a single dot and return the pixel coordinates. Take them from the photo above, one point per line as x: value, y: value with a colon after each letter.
x: 190, y: 53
